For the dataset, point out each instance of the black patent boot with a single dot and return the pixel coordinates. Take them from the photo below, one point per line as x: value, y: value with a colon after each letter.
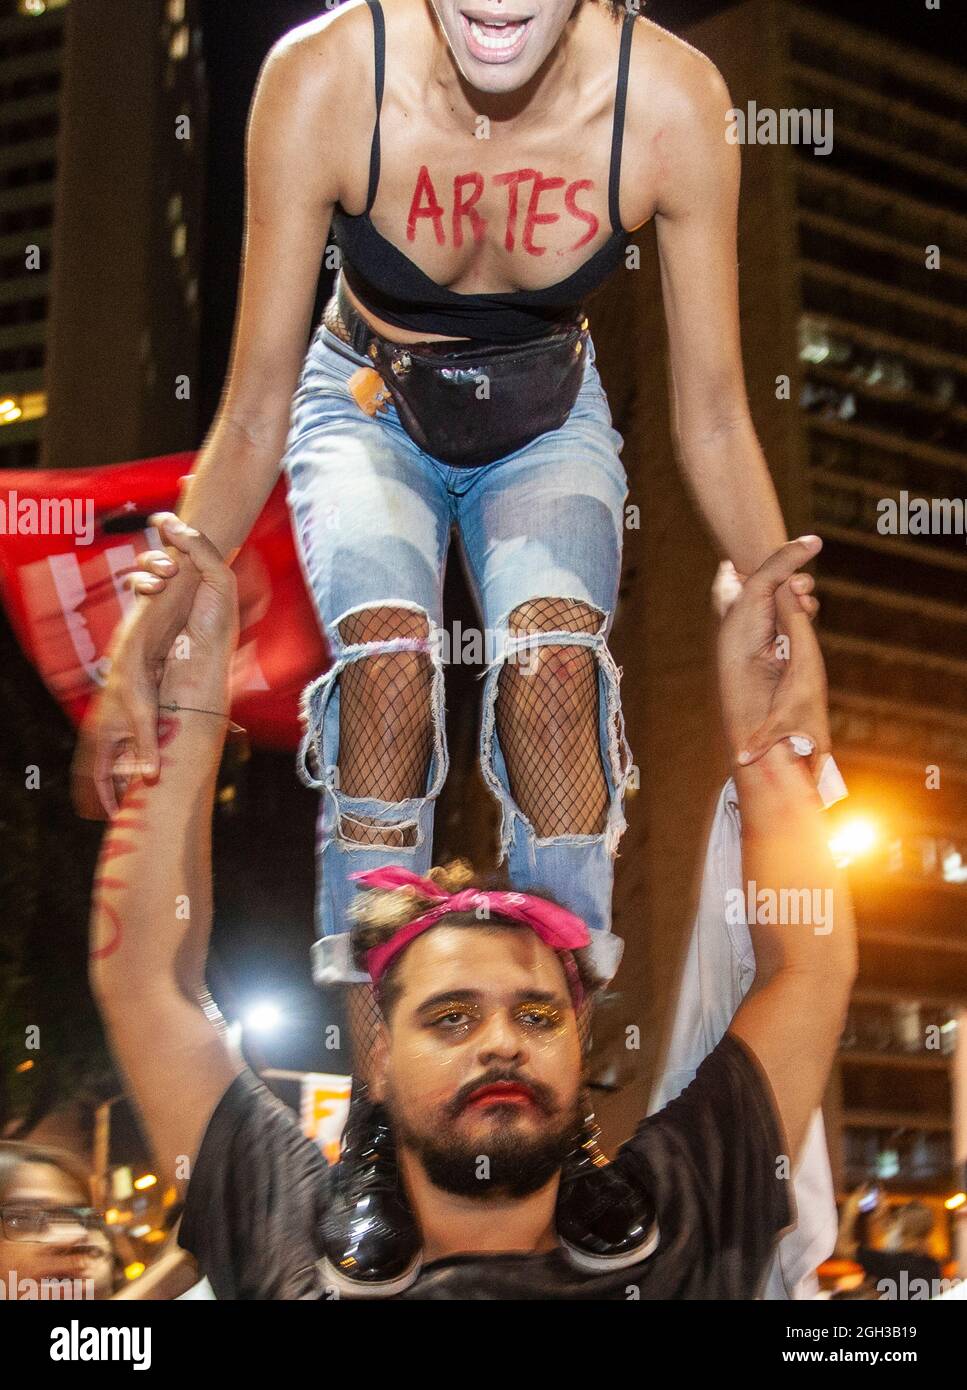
x: 371, y: 1246
x: 603, y: 1222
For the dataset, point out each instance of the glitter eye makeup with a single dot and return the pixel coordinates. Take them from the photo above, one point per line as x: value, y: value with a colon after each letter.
x: 545, y: 1015
x: 439, y: 1016
x: 451, y: 1017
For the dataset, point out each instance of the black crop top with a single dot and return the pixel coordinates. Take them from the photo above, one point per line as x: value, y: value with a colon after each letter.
x: 397, y: 290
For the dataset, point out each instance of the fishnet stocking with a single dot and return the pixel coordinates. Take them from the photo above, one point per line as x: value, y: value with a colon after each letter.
x: 385, y: 721
x: 547, y: 723
x: 364, y: 1021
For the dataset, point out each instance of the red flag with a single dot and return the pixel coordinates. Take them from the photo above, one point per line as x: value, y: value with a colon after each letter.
x: 69, y: 536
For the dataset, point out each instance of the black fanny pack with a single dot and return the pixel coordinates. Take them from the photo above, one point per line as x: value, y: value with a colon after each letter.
x: 469, y: 406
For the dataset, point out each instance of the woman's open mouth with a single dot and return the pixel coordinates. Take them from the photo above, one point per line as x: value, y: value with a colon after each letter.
x: 494, y: 40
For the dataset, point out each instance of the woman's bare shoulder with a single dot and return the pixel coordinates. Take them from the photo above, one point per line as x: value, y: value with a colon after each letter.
x: 677, y: 104
x: 328, y: 49
x: 671, y: 78
x: 316, y: 90
x: 344, y: 35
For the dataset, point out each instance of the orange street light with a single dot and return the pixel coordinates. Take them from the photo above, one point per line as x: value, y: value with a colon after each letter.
x: 854, y: 839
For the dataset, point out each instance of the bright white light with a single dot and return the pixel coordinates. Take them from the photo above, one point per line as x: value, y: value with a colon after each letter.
x: 954, y: 868
x: 855, y: 838
x: 887, y: 1163
x: 815, y: 352
x: 263, y: 1018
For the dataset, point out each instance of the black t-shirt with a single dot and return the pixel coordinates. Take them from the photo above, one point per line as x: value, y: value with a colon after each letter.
x: 708, y: 1163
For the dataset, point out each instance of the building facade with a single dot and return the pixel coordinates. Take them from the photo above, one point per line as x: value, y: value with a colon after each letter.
x: 31, y: 74
x: 104, y: 112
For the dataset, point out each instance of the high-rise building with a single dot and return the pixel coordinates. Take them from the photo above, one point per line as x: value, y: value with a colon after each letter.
x: 853, y: 275
x: 103, y: 106
x: 882, y: 271
x: 31, y: 63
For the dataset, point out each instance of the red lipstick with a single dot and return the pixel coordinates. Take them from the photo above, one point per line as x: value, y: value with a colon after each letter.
x: 500, y: 1093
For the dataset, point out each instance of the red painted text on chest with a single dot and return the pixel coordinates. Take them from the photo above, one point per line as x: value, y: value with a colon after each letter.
x: 524, y: 212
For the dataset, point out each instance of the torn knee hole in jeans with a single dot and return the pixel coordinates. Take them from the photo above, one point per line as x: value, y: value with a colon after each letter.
x: 615, y: 754
x: 359, y: 832
x: 373, y: 723
x: 555, y: 615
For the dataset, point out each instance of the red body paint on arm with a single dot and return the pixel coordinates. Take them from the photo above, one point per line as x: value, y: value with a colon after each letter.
x: 109, y: 928
x: 115, y: 933
x: 167, y: 728
x: 115, y: 848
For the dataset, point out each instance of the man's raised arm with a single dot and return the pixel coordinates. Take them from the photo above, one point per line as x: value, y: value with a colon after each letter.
x: 152, y: 904
x: 796, y: 902
x: 801, y: 924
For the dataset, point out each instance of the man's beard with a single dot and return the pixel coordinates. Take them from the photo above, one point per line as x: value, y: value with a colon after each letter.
x: 516, y: 1165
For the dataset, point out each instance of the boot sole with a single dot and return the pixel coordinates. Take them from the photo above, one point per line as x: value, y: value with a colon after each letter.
x: 363, y: 1288
x: 590, y: 1263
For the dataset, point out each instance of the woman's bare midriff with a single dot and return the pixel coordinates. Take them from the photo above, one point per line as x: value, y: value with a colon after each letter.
x: 392, y: 331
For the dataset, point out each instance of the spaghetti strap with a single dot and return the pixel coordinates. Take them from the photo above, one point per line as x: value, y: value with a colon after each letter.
x: 379, y: 47
x: 618, y: 132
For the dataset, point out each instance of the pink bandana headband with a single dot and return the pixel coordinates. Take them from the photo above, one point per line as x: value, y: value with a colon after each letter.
x: 563, y: 931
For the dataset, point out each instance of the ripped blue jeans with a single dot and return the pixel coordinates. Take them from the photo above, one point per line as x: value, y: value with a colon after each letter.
x: 372, y: 515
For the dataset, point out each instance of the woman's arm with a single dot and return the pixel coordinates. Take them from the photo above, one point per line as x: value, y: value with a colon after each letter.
x: 696, y: 222
x: 691, y: 173
x: 292, y: 184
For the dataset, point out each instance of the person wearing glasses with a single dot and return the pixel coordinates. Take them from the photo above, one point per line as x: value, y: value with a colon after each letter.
x: 53, y: 1242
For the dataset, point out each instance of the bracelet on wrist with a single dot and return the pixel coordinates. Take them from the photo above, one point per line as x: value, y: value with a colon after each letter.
x: 216, y: 713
